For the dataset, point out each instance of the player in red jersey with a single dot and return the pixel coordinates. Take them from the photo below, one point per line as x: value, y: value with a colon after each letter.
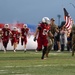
x: 14, y: 38
x: 24, y: 33
x: 5, y: 36
x: 0, y: 35
x: 0, y: 39
x: 18, y: 36
x: 42, y: 32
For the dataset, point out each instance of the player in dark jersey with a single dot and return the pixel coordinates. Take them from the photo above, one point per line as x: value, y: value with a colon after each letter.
x: 24, y: 33
x: 5, y: 36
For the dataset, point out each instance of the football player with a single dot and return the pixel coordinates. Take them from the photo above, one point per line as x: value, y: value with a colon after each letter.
x: 24, y: 34
x: 5, y: 36
x: 0, y: 34
x: 42, y: 32
x: 0, y: 39
x: 14, y: 38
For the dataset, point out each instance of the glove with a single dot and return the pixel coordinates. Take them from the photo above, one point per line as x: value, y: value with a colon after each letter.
x: 53, y: 37
x: 34, y: 39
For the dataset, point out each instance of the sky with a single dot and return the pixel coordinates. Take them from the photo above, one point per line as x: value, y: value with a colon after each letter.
x: 32, y: 11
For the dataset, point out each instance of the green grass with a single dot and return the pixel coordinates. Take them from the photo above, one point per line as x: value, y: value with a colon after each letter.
x: 30, y: 63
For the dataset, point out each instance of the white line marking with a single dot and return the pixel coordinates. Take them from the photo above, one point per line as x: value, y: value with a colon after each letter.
x: 42, y: 65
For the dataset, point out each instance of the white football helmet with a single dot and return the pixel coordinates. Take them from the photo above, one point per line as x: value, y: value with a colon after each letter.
x: 25, y: 25
x: 46, y: 20
x: 6, y: 25
x: 15, y: 28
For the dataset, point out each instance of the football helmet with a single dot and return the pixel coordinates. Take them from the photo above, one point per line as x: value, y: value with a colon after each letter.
x: 46, y: 20
x: 6, y: 25
x: 15, y: 28
x: 25, y: 26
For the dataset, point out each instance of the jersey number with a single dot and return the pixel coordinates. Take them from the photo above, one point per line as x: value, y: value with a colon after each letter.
x: 6, y: 33
x: 24, y: 33
x: 44, y: 32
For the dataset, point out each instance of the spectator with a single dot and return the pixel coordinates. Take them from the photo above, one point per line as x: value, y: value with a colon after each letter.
x: 24, y: 34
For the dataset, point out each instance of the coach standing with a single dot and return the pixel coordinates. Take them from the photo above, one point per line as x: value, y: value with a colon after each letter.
x: 53, y: 29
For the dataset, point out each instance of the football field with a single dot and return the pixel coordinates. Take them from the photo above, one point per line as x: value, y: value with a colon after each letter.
x: 30, y: 63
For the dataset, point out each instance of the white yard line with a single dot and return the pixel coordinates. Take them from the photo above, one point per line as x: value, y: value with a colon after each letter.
x: 42, y: 65
x: 22, y: 74
x: 2, y: 70
x: 33, y: 66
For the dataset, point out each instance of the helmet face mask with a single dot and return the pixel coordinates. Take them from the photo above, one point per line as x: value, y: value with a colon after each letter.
x: 45, y: 23
x: 15, y: 29
x: 25, y: 26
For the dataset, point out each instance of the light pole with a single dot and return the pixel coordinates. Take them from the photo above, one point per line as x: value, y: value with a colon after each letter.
x: 59, y: 16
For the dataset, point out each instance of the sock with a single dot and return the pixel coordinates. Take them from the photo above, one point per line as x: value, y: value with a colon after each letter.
x: 24, y: 49
x: 4, y: 49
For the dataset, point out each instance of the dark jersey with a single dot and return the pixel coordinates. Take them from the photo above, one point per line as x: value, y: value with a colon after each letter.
x: 43, y: 31
x: 5, y: 32
x: 24, y: 32
x: 15, y: 34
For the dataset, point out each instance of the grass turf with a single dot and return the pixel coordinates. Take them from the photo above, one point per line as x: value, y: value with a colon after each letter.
x: 30, y: 63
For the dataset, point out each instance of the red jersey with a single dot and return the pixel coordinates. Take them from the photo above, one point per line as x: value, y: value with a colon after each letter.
x: 5, y: 32
x: 24, y: 32
x: 43, y: 31
x: 48, y: 27
x: 15, y: 34
x: 42, y: 36
x: 15, y: 37
x: 1, y: 34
